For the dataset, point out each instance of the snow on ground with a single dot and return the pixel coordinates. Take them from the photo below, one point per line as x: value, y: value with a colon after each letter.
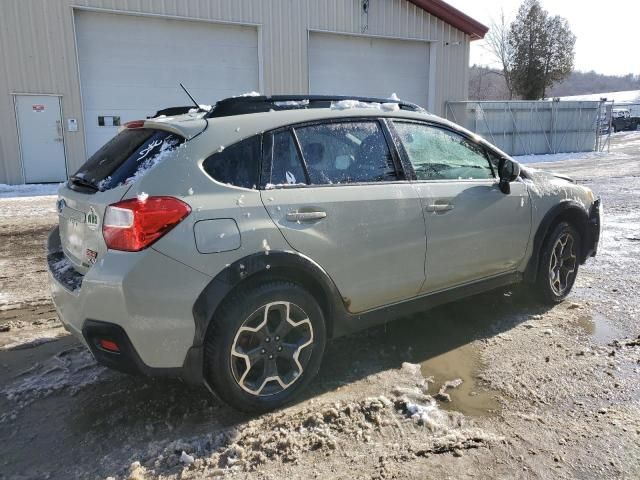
x: 18, y: 208
x: 559, y: 157
x: 628, y: 96
x: 29, y: 190
x: 620, y: 139
x: 71, y: 369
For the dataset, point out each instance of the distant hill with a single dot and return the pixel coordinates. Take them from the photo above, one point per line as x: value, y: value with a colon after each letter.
x: 488, y: 84
x: 582, y: 83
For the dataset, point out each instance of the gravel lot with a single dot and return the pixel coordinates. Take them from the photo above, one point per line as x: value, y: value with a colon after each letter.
x: 545, y: 393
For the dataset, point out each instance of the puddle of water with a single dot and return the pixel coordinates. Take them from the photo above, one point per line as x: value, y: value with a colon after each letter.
x: 463, y: 363
x: 598, y: 327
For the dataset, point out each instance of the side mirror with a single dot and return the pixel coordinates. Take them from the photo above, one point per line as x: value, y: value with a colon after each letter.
x: 508, y: 171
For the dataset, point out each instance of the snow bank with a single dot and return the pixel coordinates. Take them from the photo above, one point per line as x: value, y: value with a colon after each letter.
x: 29, y: 190
x: 286, y: 436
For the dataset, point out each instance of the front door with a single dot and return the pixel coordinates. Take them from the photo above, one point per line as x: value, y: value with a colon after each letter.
x: 41, y: 138
x: 348, y: 208
x: 474, y: 231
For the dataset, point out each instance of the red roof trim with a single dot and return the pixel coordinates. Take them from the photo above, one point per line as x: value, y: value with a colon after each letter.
x: 454, y: 17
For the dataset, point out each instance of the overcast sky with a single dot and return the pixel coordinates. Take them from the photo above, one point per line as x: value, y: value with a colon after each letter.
x: 606, y: 31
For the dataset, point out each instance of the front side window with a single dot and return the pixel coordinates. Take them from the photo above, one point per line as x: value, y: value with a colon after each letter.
x: 237, y: 164
x: 438, y: 154
x: 346, y: 152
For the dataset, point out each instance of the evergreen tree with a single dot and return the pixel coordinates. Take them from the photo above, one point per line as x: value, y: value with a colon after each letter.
x: 542, y: 49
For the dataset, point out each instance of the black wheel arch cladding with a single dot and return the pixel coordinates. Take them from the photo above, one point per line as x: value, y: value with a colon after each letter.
x: 570, y: 211
x: 276, y: 264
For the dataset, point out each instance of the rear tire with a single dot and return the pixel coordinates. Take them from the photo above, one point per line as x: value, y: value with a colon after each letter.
x: 559, y: 262
x: 264, y: 345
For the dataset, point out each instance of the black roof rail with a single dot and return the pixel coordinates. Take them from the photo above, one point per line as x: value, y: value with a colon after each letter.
x: 256, y: 104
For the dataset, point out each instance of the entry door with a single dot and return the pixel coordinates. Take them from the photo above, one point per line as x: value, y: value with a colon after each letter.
x: 41, y: 138
x: 474, y: 231
x: 349, y: 211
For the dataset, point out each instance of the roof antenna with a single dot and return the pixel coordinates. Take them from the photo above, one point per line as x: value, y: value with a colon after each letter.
x: 192, y: 99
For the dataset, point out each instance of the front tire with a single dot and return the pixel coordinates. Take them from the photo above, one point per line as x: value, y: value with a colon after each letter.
x: 265, y: 345
x: 559, y: 263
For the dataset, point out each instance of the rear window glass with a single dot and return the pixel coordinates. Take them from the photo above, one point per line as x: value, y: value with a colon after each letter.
x: 126, y: 157
x: 236, y: 165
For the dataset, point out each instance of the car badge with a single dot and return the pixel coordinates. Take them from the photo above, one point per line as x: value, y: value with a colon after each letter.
x: 92, y: 219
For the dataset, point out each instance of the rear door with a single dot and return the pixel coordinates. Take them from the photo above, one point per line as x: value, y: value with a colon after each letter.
x: 474, y: 231
x: 337, y: 194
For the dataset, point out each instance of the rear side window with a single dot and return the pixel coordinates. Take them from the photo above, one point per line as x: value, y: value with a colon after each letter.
x: 126, y: 157
x: 438, y: 154
x: 346, y: 152
x: 286, y: 166
x: 236, y: 165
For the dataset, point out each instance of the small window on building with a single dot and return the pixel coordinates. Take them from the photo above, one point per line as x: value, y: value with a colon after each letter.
x: 237, y: 164
x: 346, y: 152
x: 287, y: 166
x: 438, y: 154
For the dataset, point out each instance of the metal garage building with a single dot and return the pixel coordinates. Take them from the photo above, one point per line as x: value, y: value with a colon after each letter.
x: 74, y: 70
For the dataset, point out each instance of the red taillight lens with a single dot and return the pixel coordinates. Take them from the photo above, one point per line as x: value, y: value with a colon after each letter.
x: 133, y: 225
x: 134, y: 124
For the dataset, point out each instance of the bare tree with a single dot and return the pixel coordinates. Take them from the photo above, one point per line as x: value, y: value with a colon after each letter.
x: 498, y: 44
x: 486, y: 84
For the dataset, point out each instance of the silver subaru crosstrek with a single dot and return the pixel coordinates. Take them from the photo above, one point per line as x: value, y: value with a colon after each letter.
x: 226, y: 246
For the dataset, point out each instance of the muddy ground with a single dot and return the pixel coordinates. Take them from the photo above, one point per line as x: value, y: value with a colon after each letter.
x: 545, y: 393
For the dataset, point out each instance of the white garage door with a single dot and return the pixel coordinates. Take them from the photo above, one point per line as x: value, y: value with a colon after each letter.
x: 130, y: 66
x: 368, y: 66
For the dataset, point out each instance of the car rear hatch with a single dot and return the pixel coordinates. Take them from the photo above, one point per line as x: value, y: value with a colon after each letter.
x: 105, y: 179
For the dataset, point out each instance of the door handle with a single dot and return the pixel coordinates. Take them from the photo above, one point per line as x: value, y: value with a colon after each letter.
x: 300, y: 217
x: 438, y: 207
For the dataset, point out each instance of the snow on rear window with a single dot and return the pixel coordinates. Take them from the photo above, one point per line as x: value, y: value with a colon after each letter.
x: 152, y: 155
x: 128, y: 156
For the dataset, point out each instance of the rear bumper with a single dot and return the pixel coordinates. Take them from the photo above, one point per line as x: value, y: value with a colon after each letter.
x: 126, y: 359
x: 594, y: 228
x: 144, y: 300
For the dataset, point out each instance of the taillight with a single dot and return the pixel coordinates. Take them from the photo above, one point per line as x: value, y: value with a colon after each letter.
x: 132, y: 225
x: 134, y: 124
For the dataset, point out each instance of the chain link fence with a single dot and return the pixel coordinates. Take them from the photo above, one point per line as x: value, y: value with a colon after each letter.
x: 533, y: 127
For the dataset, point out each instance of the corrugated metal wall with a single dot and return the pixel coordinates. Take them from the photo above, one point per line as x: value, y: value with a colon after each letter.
x: 38, y: 55
x: 531, y: 127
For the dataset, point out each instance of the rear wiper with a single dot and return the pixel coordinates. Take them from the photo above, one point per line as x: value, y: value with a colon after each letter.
x: 81, y: 182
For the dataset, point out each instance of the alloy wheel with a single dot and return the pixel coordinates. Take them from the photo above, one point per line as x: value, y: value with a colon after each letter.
x: 272, y: 348
x: 562, y: 264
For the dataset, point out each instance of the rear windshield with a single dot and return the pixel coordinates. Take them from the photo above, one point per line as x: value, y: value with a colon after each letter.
x: 125, y: 158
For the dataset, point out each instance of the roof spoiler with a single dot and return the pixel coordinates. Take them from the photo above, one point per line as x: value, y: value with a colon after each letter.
x: 171, y: 111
